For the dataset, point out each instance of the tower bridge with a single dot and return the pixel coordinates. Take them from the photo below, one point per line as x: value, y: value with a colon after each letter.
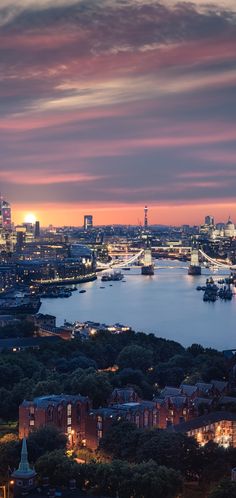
x: 142, y: 254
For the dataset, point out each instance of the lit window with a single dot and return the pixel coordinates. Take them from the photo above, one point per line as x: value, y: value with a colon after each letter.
x: 99, y: 434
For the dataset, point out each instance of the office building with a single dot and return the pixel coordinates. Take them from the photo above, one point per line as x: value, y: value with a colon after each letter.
x: 88, y: 222
x: 37, y: 229
x: 5, y: 214
x: 209, y: 220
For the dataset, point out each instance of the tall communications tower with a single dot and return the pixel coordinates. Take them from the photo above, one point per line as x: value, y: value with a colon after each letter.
x: 145, y: 217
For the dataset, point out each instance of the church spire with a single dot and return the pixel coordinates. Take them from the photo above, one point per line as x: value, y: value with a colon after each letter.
x: 24, y: 471
x: 24, y: 463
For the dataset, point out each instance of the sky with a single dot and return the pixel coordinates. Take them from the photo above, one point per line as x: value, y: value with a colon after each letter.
x: 108, y: 105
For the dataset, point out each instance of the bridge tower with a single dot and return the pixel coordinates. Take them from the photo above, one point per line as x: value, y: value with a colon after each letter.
x: 148, y: 267
x: 194, y: 267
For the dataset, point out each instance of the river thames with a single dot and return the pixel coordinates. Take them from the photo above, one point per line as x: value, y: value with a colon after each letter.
x: 166, y: 304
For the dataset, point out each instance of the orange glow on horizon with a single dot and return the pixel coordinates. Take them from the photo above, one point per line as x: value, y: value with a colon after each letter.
x: 72, y: 214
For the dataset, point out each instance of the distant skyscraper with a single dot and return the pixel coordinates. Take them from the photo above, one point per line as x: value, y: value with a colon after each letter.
x: 37, y: 229
x: 209, y: 220
x: 5, y: 214
x: 145, y: 217
x: 88, y: 222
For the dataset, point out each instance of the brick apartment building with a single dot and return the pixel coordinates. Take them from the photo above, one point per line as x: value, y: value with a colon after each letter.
x: 219, y: 427
x: 67, y: 413
x: 75, y: 417
x: 143, y: 414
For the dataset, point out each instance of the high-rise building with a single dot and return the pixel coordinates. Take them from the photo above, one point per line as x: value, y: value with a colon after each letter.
x: 209, y: 220
x: 37, y: 229
x: 88, y: 222
x: 145, y: 217
x: 5, y: 214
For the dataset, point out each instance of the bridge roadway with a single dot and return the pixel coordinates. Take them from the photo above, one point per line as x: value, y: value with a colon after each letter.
x: 126, y: 263
x: 216, y: 262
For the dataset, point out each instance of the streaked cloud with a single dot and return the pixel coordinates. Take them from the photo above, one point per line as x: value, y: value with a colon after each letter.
x: 48, y: 178
x: 107, y: 103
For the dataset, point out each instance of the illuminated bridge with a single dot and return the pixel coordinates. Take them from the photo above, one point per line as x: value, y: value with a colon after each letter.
x: 215, y: 262
x: 119, y: 264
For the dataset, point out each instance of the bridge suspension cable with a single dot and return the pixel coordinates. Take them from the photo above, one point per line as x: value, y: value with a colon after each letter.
x: 121, y: 264
x: 214, y: 261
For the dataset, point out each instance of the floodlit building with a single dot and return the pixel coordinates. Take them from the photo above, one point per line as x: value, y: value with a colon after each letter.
x: 219, y: 427
x: 66, y: 413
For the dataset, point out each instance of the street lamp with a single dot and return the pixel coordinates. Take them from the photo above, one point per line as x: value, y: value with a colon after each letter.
x: 4, y: 491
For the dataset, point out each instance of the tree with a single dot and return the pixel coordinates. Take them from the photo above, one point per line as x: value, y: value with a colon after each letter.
x: 163, y: 446
x: 93, y: 384
x: 213, y: 462
x: 135, y: 356
x: 59, y: 468
x: 5, y: 404
x: 46, y: 439
x: 145, y: 480
x: 164, y: 374
x: 121, y: 440
x: 151, y: 481
x: 9, y: 454
x: 225, y: 489
x: 195, y: 350
x: 44, y: 387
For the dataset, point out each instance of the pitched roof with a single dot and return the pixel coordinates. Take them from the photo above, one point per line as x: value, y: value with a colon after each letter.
x: 220, y: 385
x: 203, y: 386
x: 188, y: 390
x: 206, y: 419
x: 54, y: 400
x: 170, y: 391
x: 178, y: 400
x: 227, y: 399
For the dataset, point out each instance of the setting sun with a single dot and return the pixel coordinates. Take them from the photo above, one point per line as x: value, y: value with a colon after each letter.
x: 30, y: 218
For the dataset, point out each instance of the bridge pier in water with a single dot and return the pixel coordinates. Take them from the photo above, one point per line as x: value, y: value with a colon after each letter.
x: 195, y: 267
x: 148, y: 267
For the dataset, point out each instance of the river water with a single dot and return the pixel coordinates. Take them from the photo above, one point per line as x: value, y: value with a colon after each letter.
x: 166, y: 304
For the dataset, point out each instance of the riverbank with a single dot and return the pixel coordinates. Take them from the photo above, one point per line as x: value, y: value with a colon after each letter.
x: 166, y: 304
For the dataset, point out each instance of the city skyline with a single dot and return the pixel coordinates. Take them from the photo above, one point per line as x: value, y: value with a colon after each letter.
x: 110, y: 106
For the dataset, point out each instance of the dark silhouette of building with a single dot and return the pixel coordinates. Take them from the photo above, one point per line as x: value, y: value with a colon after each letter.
x: 37, y: 229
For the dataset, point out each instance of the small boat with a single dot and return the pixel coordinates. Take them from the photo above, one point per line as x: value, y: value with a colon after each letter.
x: 82, y: 291
x: 102, y: 287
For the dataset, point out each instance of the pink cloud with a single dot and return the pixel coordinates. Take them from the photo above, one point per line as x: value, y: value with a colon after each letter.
x: 47, y: 178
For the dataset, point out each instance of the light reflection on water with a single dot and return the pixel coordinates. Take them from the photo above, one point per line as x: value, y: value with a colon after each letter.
x: 166, y: 304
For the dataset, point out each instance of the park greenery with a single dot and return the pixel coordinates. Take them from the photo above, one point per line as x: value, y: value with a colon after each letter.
x: 141, y: 463
x: 122, y: 466
x: 143, y: 361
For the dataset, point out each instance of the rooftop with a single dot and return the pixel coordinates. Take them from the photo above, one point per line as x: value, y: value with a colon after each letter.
x: 206, y: 419
x: 54, y: 399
